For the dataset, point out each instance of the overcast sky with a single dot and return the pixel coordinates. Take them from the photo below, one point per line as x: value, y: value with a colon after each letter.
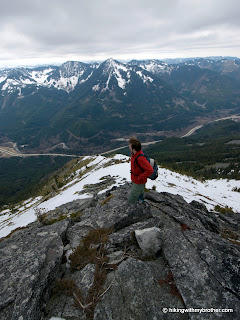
x: 54, y: 31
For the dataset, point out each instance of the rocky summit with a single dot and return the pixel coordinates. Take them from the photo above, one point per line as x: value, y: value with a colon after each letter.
x: 103, y: 259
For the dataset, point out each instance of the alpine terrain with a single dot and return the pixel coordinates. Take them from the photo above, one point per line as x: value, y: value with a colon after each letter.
x: 81, y: 108
x: 79, y: 251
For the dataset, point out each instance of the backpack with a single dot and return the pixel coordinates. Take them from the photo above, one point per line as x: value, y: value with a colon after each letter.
x: 152, y: 162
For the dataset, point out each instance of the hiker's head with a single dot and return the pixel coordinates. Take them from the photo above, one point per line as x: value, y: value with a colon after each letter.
x: 134, y: 144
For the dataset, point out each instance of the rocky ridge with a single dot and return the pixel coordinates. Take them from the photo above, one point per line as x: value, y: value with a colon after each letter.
x: 102, y: 258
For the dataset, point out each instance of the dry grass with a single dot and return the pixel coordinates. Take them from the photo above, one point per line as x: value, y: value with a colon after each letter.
x: 231, y: 236
x: 92, y: 250
x: 13, y: 231
x: 106, y: 200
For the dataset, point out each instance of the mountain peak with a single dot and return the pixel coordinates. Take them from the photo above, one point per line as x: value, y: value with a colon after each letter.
x: 110, y: 64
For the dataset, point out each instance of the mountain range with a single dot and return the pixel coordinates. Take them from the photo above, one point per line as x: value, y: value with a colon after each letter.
x: 91, y: 107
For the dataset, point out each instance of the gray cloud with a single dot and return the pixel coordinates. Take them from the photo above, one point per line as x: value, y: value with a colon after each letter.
x: 49, y: 29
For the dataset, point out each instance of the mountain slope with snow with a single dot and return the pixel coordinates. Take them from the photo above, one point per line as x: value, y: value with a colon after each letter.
x: 65, y: 77
x: 91, y: 175
x: 85, y: 105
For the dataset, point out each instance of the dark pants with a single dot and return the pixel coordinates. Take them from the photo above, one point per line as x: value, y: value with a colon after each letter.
x: 136, y: 193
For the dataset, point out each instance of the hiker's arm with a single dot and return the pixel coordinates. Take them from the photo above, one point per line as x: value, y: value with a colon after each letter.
x: 145, y: 165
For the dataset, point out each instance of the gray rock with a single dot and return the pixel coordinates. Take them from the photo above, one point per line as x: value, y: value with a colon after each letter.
x: 197, y: 266
x: 149, y: 240
x: 116, y: 257
x: 204, y: 265
x: 136, y: 294
x: 76, y: 233
x: 65, y: 210
x: 124, y: 237
x: 62, y: 305
x: 30, y: 262
x: 195, y: 279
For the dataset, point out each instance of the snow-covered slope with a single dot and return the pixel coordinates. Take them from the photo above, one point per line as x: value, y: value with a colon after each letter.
x: 153, y: 66
x: 65, y: 77
x: 71, y: 73
x: 116, y: 171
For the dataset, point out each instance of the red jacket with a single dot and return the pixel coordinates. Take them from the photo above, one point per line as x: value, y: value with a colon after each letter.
x: 139, y: 176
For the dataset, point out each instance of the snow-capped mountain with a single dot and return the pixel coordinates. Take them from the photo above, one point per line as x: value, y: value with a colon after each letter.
x: 153, y: 66
x: 96, y: 174
x: 116, y: 81
x: 76, y: 101
x: 65, y: 77
x: 229, y: 67
x: 71, y: 73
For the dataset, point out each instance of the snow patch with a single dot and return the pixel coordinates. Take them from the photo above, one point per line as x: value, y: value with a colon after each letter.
x: 96, y: 87
x: 116, y: 69
x: 144, y: 77
x: 210, y: 192
x: 2, y: 79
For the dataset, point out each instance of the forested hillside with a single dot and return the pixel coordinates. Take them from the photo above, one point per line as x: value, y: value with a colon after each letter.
x: 212, y: 153
x: 21, y: 177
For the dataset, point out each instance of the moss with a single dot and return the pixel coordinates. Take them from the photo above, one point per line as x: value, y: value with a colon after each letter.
x: 45, y: 220
x: 223, y: 210
x: 52, y: 221
x: 76, y: 216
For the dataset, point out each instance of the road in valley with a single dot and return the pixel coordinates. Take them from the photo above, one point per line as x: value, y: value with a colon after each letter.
x: 13, y: 153
x: 10, y: 152
x: 191, y: 131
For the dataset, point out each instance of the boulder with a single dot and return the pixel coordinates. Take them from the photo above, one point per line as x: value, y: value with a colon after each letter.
x: 149, y: 240
x: 30, y: 262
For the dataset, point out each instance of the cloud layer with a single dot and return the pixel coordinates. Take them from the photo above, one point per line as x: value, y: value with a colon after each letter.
x: 46, y: 30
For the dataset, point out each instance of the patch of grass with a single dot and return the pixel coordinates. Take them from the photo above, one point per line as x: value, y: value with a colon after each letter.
x: 92, y: 250
x: 76, y: 216
x: 231, y: 236
x: 46, y: 220
x: 68, y: 287
x: 92, y: 245
x: 223, y: 210
x: 13, y: 231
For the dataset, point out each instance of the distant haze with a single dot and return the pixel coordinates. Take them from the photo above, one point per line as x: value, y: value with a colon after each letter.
x: 45, y: 32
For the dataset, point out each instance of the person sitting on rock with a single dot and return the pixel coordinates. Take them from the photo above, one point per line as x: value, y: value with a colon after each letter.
x: 140, y: 171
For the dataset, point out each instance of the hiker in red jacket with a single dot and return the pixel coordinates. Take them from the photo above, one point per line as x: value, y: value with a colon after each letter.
x: 140, y: 171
